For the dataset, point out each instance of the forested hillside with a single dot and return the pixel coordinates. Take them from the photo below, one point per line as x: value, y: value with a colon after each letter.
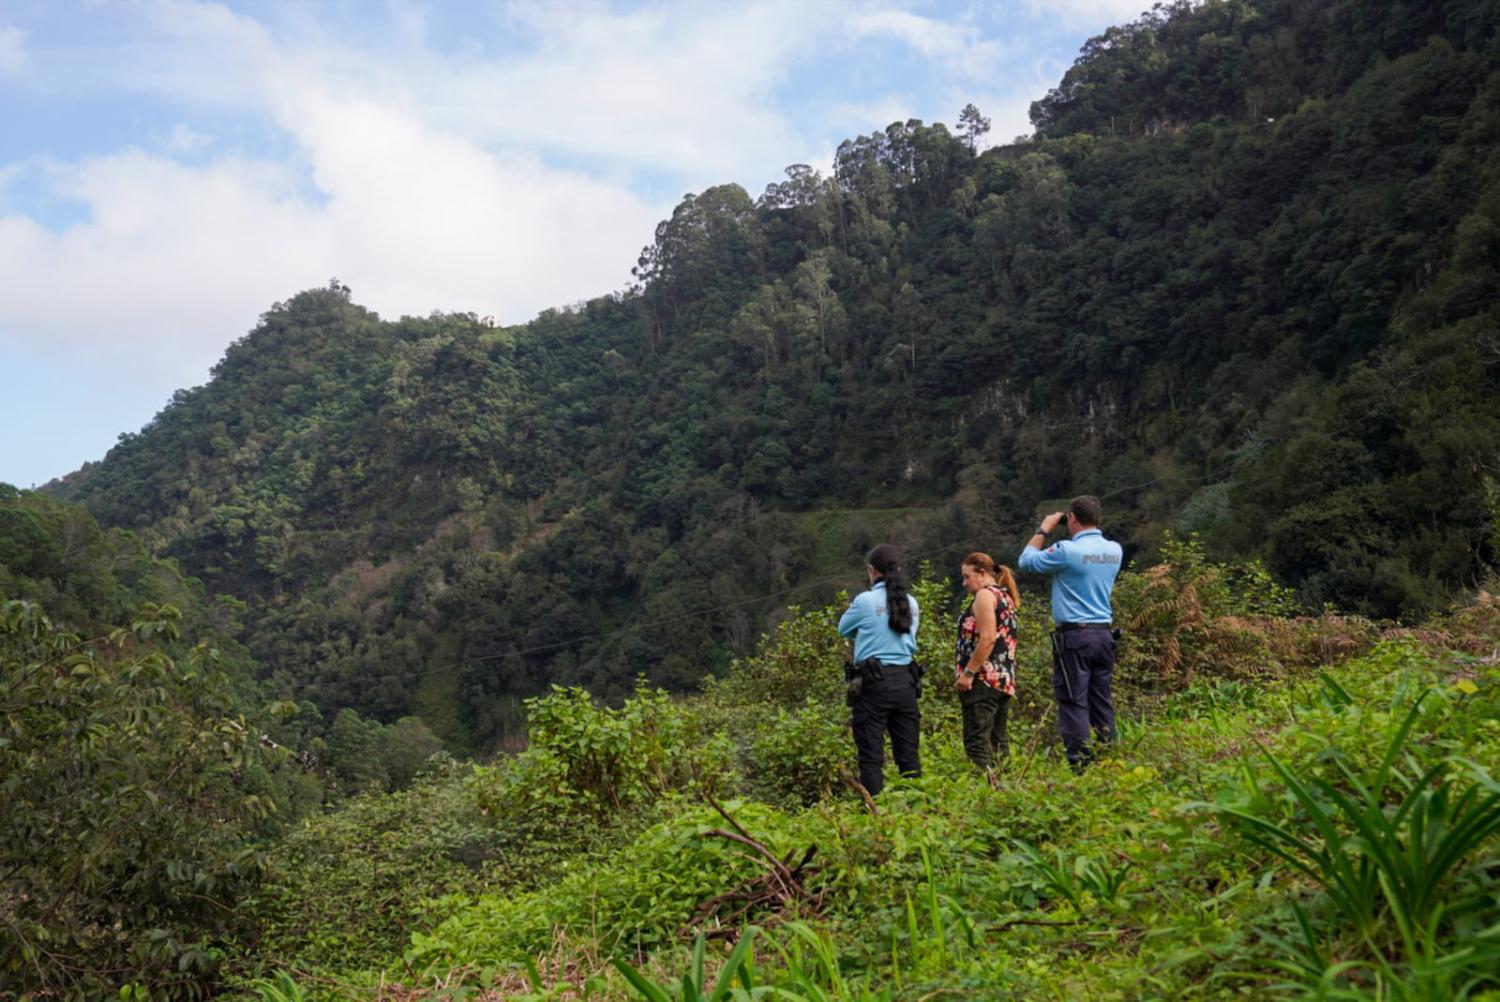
x: 1241, y: 284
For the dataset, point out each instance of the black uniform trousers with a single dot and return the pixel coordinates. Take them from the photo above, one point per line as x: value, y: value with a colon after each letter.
x: 1083, y: 667
x: 887, y: 703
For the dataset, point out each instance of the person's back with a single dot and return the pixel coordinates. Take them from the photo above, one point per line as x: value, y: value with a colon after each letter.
x: 883, y: 622
x: 1083, y: 569
x: 868, y: 620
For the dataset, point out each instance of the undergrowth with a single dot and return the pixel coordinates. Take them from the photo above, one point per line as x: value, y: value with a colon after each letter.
x: 1323, y: 825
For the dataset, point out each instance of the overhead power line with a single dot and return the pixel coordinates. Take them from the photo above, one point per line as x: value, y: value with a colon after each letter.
x: 753, y: 600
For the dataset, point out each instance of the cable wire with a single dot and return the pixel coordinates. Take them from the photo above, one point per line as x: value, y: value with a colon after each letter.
x: 753, y: 600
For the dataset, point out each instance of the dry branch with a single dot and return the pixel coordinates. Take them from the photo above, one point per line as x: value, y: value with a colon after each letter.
x: 783, y: 886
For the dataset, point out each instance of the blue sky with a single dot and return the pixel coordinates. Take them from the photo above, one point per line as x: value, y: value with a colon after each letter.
x: 170, y: 168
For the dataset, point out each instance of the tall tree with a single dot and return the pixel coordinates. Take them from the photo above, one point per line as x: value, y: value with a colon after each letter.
x: 972, y: 126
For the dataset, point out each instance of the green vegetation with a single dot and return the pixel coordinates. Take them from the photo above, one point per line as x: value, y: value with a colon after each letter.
x: 1239, y: 285
x: 1297, y: 803
x: 1328, y: 827
x: 125, y: 785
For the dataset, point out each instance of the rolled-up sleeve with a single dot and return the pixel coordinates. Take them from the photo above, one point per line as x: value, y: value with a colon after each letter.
x: 1054, y: 558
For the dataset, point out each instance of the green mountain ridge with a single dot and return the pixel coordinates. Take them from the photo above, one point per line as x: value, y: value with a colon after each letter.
x: 1240, y: 284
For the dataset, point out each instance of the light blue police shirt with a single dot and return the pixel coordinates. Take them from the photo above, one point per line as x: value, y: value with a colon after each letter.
x: 1083, y: 571
x: 865, y: 619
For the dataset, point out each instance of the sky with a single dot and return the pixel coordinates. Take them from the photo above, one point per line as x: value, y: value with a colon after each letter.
x: 169, y: 169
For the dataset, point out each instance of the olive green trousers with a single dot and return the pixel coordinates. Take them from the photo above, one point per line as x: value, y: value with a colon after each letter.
x: 985, y: 713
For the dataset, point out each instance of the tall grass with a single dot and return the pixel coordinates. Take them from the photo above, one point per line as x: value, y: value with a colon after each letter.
x: 810, y: 968
x: 1388, y: 847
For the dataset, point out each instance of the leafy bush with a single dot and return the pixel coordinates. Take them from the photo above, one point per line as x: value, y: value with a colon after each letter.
x: 122, y: 825
x: 345, y: 889
x: 593, y: 760
x: 639, y: 898
x: 797, y: 757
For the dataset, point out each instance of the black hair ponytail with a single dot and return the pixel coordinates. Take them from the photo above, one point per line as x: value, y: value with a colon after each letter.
x: 886, y: 560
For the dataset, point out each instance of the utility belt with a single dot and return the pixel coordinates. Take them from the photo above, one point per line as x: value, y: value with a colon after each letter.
x: 873, y: 671
x: 1059, y: 629
x: 1069, y: 627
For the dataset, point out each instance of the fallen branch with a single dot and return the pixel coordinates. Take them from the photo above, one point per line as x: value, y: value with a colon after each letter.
x: 1036, y: 737
x: 783, y: 885
x: 859, y: 788
x: 1002, y: 926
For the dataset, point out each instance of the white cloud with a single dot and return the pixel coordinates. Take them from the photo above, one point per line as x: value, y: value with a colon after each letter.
x: 176, y: 260
x: 184, y: 140
x: 688, y: 90
x: 1094, y: 13
x: 427, y: 180
x: 12, y: 50
x: 962, y: 47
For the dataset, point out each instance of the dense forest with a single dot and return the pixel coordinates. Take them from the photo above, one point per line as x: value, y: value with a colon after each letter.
x: 1240, y: 284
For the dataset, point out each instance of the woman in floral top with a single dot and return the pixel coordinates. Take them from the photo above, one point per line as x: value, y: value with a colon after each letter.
x: 985, y: 666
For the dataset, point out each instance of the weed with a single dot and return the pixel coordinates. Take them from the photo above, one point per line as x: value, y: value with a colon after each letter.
x: 1386, y: 846
x: 280, y: 987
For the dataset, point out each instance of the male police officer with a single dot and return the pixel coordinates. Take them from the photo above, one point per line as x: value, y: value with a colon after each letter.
x: 1083, y: 569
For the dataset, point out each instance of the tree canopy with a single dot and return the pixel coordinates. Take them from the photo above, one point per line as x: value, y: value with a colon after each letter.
x: 1240, y: 284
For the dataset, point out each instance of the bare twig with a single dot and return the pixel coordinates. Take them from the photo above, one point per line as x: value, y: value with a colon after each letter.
x: 779, y: 869
x: 783, y: 884
x: 1002, y: 926
x: 726, y: 816
x: 1036, y: 738
x: 858, y: 787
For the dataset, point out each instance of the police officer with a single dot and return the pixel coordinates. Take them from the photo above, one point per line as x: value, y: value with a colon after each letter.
x: 1083, y: 569
x: 883, y: 622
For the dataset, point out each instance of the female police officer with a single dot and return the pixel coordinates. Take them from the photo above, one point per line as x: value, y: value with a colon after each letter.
x: 883, y: 622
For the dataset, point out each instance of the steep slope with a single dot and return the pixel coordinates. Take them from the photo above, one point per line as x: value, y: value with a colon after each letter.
x: 1241, y: 285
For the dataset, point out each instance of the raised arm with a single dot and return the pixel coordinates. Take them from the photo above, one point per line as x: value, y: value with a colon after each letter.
x: 850, y: 620
x: 1037, y: 560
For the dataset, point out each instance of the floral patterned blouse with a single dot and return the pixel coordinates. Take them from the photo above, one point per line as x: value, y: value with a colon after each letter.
x: 999, y: 671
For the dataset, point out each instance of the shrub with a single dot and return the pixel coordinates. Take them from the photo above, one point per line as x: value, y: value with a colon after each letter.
x: 593, y: 760
x: 345, y: 889
x: 123, y: 843
x: 639, y: 898
x: 797, y: 757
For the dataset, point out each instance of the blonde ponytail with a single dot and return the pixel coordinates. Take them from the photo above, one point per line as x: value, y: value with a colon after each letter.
x: 1007, y: 579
